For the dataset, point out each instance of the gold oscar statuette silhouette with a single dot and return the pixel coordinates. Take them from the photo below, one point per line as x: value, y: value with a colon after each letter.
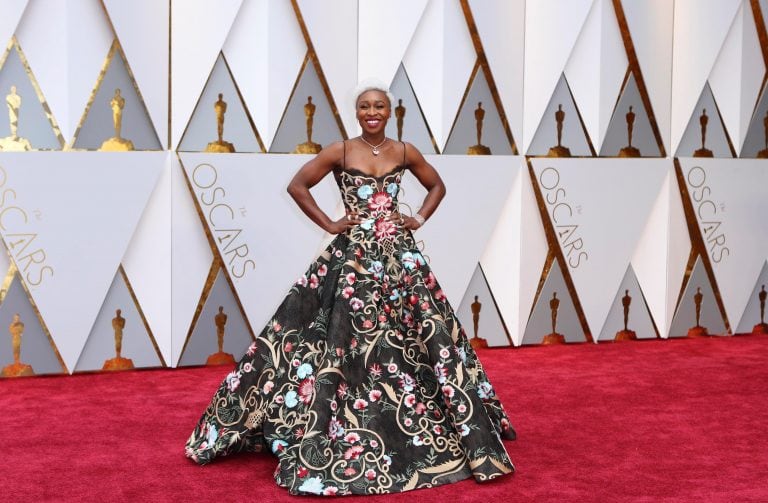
x: 220, y: 357
x: 118, y: 362
x: 629, y: 150
x: 220, y: 146
x: 17, y: 368
x: 554, y: 337
x: 308, y: 147
x: 559, y: 150
x: 479, y: 149
x: 626, y: 334
x: 698, y: 330
x: 399, y: 115
x: 475, y: 341
x: 762, y: 327
x: 763, y: 154
x: 117, y: 143
x: 14, y: 143
x: 703, y: 121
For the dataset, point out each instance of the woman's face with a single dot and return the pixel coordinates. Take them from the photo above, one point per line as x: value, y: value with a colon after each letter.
x: 373, y: 111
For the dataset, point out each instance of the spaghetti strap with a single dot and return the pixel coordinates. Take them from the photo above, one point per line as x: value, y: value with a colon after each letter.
x: 344, y: 155
x: 403, y: 152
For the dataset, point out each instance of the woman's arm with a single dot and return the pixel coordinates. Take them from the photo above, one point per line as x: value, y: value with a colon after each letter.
x: 307, y: 177
x: 428, y: 177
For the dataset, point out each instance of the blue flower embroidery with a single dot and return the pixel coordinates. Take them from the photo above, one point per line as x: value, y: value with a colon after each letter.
x: 395, y: 294
x: 367, y: 224
x: 312, y: 485
x: 304, y: 370
x: 278, y: 445
x: 377, y: 268
x: 364, y: 192
x: 392, y: 189
x: 291, y: 399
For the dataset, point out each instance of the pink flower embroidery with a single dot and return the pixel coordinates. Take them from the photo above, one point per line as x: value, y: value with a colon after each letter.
x: 384, y: 228
x: 379, y: 202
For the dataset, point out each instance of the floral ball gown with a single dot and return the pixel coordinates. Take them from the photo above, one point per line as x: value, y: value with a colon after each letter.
x: 364, y: 381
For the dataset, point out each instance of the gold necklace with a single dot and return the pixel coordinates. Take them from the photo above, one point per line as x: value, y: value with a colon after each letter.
x: 374, y: 148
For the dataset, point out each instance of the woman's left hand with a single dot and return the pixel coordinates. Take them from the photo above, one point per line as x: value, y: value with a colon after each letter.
x: 404, y: 221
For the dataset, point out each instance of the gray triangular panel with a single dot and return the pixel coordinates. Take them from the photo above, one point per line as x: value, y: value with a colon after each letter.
x: 751, y: 316
x: 574, y: 136
x: 464, y: 132
x: 33, y: 123
x: 490, y: 325
x: 685, y: 315
x: 415, y: 129
x: 617, y: 134
x: 639, y: 317
x: 540, y: 322
x: 203, y: 341
x: 716, y: 138
x: 98, y: 125
x: 37, y: 349
x: 757, y: 134
x: 136, y: 342
x: 293, y: 126
x: 203, y: 125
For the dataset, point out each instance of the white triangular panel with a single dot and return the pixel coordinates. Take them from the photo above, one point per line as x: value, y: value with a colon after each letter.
x: 490, y: 325
x: 142, y: 28
x: 751, y: 315
x: 599, y: 52
x: 467, y: 215
x: 439, y: 61
x: 651, y: 260
x: 265, y: 49
x: 685, y: 314
x: 148, y: 263
x: 728, y: 198
x: 515, y: 254
x: 716, y: 139
x: 12, y: 11
x: 92, y: 199
x: 551, y: 30
x: 501, y: 26
x: 739, y: 56
x: 396, y: 24
x: 198, y: 31
x: 638, y: 316
x: 696, y: 47
x: 554, y: 301
x: 66, y: 91
x: 254, y: 184
x: 332, y: 27
x: 650, y: 26
x: 191, y: 257
x: 581, y: 213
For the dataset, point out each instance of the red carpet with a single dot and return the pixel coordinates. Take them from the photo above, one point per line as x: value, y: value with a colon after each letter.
x: 678, y: 420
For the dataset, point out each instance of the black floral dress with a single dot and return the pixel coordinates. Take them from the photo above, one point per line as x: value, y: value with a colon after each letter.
x: 364, y: 381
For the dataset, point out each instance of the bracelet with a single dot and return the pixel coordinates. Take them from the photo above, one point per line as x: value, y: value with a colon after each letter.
x: 419, y: 219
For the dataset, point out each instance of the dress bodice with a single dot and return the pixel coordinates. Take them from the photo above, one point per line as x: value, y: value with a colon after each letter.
x: 370, y: 197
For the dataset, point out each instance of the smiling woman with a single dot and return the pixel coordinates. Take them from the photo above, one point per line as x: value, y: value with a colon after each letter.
x: 363, y: 381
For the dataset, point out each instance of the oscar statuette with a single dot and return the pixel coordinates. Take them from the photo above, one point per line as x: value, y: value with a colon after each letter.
x: 220, y: 146
x: 761, y: 328
x: 220, y: 357
x: 308, y: 147
x: 477, y: 342
x: 554, y: 337
x: 117, y: 143
x: 118, y: 362
x: 479, y: 149
x: 703, y: 121
x: 698, y: 330
x: 559, y: 150
x: 629, y: 150
x: 17, y: 368
x: 400, y: 115
x: 626, y: 334
x: 763, y: 154
x: 14, y: 143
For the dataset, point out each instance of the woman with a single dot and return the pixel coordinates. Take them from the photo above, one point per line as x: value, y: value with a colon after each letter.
x: 363, y: 382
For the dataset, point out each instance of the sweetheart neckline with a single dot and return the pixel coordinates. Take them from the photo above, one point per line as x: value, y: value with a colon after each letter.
x: 375, y: 177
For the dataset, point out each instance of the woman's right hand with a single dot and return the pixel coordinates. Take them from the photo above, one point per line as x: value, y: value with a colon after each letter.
x: 343, y: 224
